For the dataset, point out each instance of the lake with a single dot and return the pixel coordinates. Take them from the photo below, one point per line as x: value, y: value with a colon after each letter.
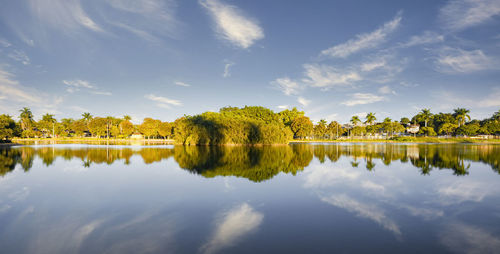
x: 299, y: 198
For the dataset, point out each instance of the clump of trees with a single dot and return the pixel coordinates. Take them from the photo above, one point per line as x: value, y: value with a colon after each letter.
x: 457, y: 123
x: 232, y: 125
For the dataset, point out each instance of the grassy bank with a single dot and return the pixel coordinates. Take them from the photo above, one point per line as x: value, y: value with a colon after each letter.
x: 75, y: 140
x: 406, y: 140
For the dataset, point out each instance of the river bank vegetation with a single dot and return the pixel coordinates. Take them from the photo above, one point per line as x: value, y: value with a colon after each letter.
x: 250, y: 125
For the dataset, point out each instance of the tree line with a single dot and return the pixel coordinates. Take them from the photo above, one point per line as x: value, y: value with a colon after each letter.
x: 247, y: 125
x: 457, y: 123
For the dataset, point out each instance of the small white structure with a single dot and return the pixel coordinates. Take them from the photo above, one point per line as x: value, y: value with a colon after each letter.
x: 136, y: 136
x: 414, y: 128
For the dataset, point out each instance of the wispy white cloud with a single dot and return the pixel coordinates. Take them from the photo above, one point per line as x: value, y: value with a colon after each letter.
x: 371, y: 212
x: 163, y: 101
x: 4, y: 43
x: 283, y: 107
x: 179, y: 83
x: 463, y: 238
x: 364, y: 41
x: 14, y: 95
x: 423, y: 212
x: 227, y: 67
x: 324, y: 76
x: 287, y: 86
x: 78, y: 84
x: 370, y: 66
x: 386, y: 90
x: 462, y: 14
x: 363, y: 98
x: 13, y: 90
x: 325, y: 176
x: 237, y: 223
x: 145, y: 18
x: 20, y: 56
x: 79, y: 109
x: 101, y: 93
x: 232, y: 25
x: 408, y: 84
x: 303, y: 101
x: 427, y: 37
x: 67, y: 15
x: 455, y: 60
x: 460, y: 191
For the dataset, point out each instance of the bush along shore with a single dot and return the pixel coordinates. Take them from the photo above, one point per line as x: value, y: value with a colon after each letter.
x: 253, y: 125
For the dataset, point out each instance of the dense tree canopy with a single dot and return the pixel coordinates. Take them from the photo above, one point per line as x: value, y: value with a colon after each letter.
x: 248, y: 125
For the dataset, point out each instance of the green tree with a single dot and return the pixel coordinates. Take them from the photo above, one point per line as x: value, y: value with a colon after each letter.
x: 425, y: 116
x: 496, y: 116
x: 79, y: 127
x: 427, y: 131
x: 355, y: 120
x: 149, y: 127
x: 320, y: 129
x: 302, y: 127
x: 404, y: 121
x: 287, y: 116
x: 66, y: 125
x: 126, y: 128
x: 461, y: 114
x: 447, y: 128
x: 7, y: 128
x: 98, y: 126
x: 370, y: 118
x: 26, y: 118
x: 334, y: 129
x: 87, y: 117
x: 165, y: 129
x: 48, y: 124
x: 469, y: 129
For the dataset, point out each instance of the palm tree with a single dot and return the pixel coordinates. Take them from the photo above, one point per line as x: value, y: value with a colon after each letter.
x: 461, y: 114
x: 49, y: 118
x: 426, y: 115
x: 87, y: 116
x: 355, y: 120
x: 26, y: 118
x: 127, y: 118
x: 496, y: 116
x: 370, y: 118
x: 109, y: 122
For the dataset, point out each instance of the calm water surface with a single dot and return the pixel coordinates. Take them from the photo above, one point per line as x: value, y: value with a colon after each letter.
x: 316, y: 198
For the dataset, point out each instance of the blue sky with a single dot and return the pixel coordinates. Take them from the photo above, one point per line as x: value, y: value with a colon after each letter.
x: 167, y: 58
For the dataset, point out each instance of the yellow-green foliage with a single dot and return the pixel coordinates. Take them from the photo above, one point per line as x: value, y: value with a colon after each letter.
x: 248, y: 125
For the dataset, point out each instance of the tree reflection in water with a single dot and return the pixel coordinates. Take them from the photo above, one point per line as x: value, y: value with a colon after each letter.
x: 260, y: 163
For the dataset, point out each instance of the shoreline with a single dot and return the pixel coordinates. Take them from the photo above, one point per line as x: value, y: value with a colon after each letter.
x: 10, y: 144
x: 417, y: 140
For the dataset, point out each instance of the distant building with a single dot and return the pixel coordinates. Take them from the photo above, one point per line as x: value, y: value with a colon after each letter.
x: 136, y: 136
x: 414, y: 128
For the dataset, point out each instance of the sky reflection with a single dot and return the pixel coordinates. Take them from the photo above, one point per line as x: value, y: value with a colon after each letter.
x: 295, y: 199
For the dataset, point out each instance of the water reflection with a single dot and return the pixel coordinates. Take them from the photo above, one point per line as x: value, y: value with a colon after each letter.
x: 322, y: 198
x: 262, y: 163
x: 235, y: 224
